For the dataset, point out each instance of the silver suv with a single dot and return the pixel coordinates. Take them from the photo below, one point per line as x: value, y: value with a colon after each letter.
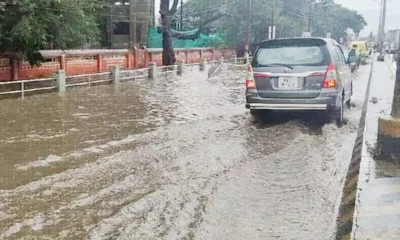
x: 299, y: 74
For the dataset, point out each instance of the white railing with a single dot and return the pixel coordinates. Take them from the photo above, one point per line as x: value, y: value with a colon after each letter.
x: 192, y: 64
x: 94, y: 78
x: 23, y: 84
x: 137, y: 73
x: 167, y: 69
x: 89, y: 79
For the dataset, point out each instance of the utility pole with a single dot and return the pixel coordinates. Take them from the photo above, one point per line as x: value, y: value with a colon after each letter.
x: 273, y: 27
x: 383, y: 23
x: 396, y: 95
x: 382, y: 27
x: 249, y: 6
x: 181, y: 28
x: 388, y: 142
x: 132, y: 23
x: 152, y: 13
x: 273, y: 14
x: 309, y: 18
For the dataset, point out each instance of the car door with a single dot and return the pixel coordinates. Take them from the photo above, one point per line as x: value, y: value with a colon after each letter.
x: 342, y: 70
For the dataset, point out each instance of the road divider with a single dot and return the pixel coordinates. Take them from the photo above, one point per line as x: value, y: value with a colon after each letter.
x: 347, y: 207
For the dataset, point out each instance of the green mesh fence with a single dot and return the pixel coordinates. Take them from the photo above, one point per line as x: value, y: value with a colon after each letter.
x: 154, y: 40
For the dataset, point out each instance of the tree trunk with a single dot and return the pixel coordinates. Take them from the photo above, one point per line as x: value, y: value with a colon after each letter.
x: 168, y: 34
x: 168, y: 50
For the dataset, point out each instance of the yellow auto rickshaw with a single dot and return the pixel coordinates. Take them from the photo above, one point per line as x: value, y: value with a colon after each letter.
x: 363, y: 50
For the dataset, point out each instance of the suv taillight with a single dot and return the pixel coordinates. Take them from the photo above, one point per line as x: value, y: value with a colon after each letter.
x: 330, y: 77
x: 250, y: 83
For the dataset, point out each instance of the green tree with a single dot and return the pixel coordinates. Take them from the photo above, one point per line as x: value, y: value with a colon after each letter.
x: 336, y: 19
x: 291, y: 18
x: 28, y: 26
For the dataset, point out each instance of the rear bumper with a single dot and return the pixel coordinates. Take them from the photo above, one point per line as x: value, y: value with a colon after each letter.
x: 326, y: 101
x: 269, y: 106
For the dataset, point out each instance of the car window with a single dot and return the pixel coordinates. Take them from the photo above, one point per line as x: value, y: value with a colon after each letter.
x: 341, y: 54
x: 336, y: 55
x: 291, y: 55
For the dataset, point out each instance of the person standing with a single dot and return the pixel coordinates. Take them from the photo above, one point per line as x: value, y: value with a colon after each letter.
x: 355, y: 53
x: 240, y: 50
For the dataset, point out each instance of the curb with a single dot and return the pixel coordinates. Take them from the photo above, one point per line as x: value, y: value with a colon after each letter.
x: 344, y: 222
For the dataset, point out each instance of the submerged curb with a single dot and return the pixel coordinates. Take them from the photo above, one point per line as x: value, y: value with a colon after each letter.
x: 347, y: 206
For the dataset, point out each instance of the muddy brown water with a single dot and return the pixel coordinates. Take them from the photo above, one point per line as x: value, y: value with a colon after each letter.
x: 173, y: 158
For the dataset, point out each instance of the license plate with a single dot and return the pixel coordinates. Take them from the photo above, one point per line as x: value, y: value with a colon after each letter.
x: 352, y: 64
x: 288, y: 82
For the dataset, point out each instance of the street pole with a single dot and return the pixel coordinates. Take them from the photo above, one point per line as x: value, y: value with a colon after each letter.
x: 273, y: 14
x: 248, y: 30
x: 383, y: 25
x: 181, y: 28
x: 309, y: 18
x: 396, y: 95
x: 132, y: 23
x: 388, y: 141
x: 380, y: 27
x: 273, y: 28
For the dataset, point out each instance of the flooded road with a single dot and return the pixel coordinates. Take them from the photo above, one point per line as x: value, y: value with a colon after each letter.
x: 174, y: 158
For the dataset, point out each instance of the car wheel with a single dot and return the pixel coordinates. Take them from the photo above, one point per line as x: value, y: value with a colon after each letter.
x: 348, y: 103
x: 336, y: 115
x: 340, y: 114
x: 253, y: 112
x: 254, y: 115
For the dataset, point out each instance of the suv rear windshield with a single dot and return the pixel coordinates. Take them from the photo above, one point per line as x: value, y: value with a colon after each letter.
x: 302, y: 52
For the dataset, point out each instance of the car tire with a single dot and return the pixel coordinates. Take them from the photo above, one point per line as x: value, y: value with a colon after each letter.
x: 348, y: 103
x: 255, y: 114
x: 337, y: 115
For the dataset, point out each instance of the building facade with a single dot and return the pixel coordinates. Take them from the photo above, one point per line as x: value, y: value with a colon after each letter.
x: 128, y: 23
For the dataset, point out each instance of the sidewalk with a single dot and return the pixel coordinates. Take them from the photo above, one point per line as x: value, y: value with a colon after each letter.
x: 377, y: 214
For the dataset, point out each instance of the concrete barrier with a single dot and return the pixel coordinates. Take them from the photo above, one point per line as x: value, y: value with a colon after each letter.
x: 61, y: 81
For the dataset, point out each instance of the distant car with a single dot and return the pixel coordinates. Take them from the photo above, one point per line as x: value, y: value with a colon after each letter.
x: 299, y: 74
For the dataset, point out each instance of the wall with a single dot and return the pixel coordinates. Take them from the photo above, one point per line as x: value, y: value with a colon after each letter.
x: 76, y: 62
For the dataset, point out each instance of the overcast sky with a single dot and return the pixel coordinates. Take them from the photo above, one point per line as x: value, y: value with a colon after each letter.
x: 370, y: 9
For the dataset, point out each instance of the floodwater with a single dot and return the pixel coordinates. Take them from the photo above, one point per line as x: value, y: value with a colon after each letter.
x: 173, y: 158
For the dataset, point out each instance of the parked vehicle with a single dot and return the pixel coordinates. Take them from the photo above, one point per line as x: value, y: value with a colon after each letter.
x: 299, y: 74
